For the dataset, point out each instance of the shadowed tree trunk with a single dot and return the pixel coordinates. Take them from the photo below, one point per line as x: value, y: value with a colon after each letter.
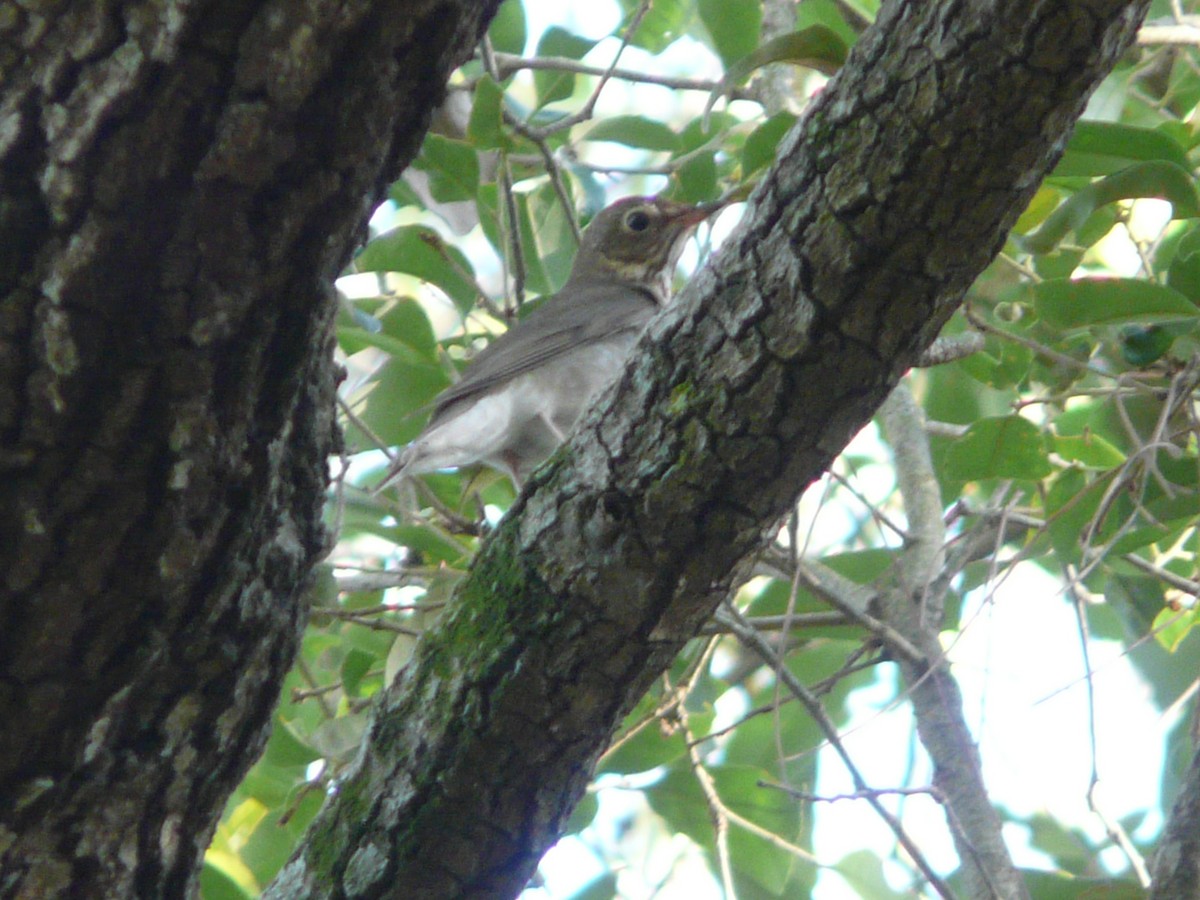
x: 180, y: 183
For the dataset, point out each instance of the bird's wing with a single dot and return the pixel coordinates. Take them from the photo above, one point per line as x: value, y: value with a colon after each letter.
x: 565, y: 321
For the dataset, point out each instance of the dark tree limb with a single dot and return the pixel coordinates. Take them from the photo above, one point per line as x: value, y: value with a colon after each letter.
x: 180, y: 183
x: 1176, y: 867
x: 897, y: 189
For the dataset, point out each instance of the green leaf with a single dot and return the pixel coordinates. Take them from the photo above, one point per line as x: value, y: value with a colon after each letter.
x: 1044, y: 202
x: 402, y: 194
x: 1184, y: 272
x: 1001, y: 365
x: 760, y: 146
x: 419, y: 250
x: 701, y: 131
x: 1101, y: 148
x: 286, y: 748
x: 553, y: 85
x: 733, y: 25
x: 1071, y: 503
x: 356, y: 665
x: 549, y: 242
x: 508, y: 29
x: 1089, y: 450
x: 400, y: 399
x: 741, y: 790
x: 646, y: 749
x: 216, y: 882
x: 679, y: 799
x: 827, y: 14
x: 1128, y: 142
x: 1000, y: 447
x: 1057, y: 886
x: 376, y: 644
x: 1171, y: 626
x: 271, y: 785
x: 1066, y: 847
x: 1160, y: 179
x: 351, y: 340
x: 863, y: 871
x: 862, y: 566
x: 406, y: 321
x: 1060, y: 263
x: 663, y: 24
x: 452, y: 167
x: 634, y: 131
x: 816, y: 48
x: 485, y: 128
x: 338, y: 739
x: 403, y: 333
x: 1167, y: 518
x: 267, y: 848
x: 434, y: 545
x: 1067, y: 305
x: 698, y: 179
x: 583, y: 814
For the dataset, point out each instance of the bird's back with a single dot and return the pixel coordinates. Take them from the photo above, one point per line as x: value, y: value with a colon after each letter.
x: 520, y: 396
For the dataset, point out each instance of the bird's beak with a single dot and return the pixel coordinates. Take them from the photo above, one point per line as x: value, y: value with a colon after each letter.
x: 689, y: 215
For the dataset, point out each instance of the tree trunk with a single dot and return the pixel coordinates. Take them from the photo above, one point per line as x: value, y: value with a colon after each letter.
x: 179, y: 185
x: 1177, y: 859
x: 896, y: 190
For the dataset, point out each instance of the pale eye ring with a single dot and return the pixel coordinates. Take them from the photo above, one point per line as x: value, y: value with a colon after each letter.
x: 637, y: 220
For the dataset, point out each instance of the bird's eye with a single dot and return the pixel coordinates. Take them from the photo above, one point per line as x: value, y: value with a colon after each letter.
x: 637, y: 220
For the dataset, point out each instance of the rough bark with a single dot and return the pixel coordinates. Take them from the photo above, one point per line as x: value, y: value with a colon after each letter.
x: 180, y: 183
x: 1176, y: 874
x: 895, y: 192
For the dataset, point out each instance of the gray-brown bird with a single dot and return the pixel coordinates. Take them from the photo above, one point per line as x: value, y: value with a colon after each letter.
x: 520, y: 396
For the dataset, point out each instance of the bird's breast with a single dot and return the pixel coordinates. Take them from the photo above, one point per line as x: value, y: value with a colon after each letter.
x: 563, y: 388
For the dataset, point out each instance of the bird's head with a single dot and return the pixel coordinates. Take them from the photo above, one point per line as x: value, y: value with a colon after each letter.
x: 637, y: 241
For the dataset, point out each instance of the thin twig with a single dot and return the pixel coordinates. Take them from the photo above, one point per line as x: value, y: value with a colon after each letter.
x: 585, y: 112
x: 1114, y: 829
x: 716, y: 809
x: 1187, y: 585
x: 508, y: 63
x: 1175, y: 35
x: 929, y: 790
x: 794, y: 622
x: 755, y: 642
x: 306, y: 673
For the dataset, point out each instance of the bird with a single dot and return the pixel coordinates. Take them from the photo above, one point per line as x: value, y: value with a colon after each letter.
x: 520, y: 396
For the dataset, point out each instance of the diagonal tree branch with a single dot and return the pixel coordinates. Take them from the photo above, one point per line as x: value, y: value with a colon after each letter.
x: 908, y: 603
x: 1176, y: 866
x: 897, y: 189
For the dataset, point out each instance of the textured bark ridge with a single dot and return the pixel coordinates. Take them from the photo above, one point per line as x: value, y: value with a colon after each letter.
x: 897, y: 189
x: 1177, y: 859
x: 180, y: 182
